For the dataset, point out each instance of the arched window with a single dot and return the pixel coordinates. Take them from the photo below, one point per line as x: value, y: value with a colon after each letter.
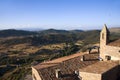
x: 102, y: 35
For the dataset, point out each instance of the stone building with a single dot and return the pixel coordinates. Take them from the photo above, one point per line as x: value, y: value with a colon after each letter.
x: 102, y: 70
x: 109, y: 50
x: 65, y: 68
x: 84, y: 66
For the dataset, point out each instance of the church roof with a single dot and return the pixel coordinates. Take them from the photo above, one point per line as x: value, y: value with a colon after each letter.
x: 115, y: 43
x: 57, y: 61
x: 100, y: 67
x: 67, y: 65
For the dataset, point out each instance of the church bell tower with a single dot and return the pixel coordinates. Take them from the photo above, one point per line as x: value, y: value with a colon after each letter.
x: 104, y: 40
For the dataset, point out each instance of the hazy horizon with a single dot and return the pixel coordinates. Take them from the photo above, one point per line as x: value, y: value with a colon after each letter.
x: 41, y: 29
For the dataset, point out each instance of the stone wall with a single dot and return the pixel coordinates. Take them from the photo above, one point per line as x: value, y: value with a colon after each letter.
x: 102, y: 52
x: 111, y: 74
x: 113, y: 52
x: 89, y: 76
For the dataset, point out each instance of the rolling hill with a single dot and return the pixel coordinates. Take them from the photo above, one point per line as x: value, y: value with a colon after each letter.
x: 25, y: 47
x: 115, y: 30
x: 13, y: 32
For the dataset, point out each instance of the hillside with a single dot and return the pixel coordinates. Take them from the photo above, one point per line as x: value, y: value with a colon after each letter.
x: 115, y: 33
x: 13, y: 32
x: 51, y: 36
x: 53, y: 31
x: 46, y: 37
x: 115, y: 30
x: 20, y: 49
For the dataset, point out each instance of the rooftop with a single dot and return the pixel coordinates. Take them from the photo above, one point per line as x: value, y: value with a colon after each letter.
x: 67, y: 65
x: 57, y: 61
x: 100, y: 67
x: 115, y: 43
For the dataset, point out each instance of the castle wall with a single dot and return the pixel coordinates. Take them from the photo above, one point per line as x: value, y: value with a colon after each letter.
x: 35, y: 74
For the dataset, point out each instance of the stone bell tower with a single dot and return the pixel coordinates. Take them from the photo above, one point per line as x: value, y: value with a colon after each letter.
x: 104, y: 40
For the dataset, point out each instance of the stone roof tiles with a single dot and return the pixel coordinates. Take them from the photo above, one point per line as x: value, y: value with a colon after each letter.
x: 67, y: 65
x: 115, y: 43
x: 57, y: 61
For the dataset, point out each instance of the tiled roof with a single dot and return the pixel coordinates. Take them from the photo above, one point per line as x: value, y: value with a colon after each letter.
x: 67, y: 65
x: 100, y: 67
x: 57, y: 61
x: 115, y: 43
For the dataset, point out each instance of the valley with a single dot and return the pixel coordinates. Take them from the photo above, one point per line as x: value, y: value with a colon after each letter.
x: 18, y: 52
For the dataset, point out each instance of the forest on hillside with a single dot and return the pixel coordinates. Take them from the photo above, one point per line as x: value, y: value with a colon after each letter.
x: 20, y: 49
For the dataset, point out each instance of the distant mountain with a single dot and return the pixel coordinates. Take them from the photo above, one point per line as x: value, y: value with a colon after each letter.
x: 115, y: 33
x: 13, y: 32
x: 62, y: 34
x: 53, y: 31
x: 76, y: 31
x: 51, y: 36
x: 31, y: 29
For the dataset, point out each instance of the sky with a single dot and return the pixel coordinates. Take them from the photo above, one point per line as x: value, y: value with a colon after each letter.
x: 59, y: 14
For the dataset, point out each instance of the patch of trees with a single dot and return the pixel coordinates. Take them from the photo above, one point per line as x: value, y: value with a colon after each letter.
x: 5, y: 69
x: 69, y: 48
x: 15, y: 60
x: 37, y: 40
